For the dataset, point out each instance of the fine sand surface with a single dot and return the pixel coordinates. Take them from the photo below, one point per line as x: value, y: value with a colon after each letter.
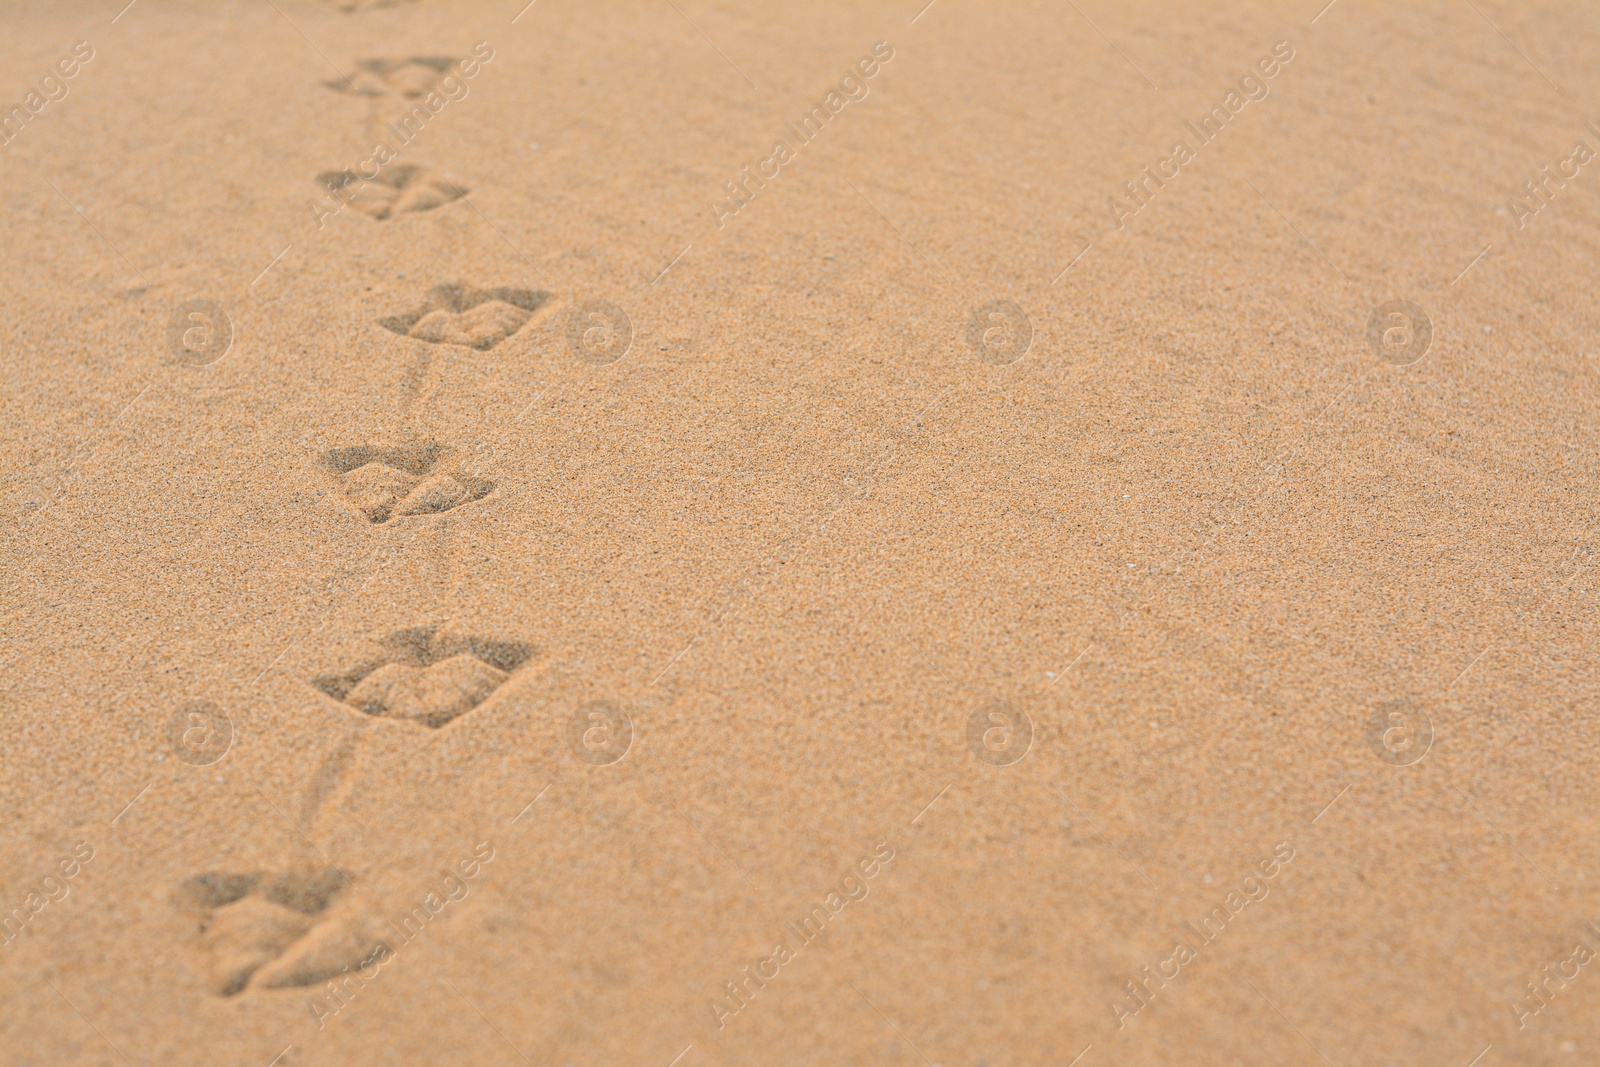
x: 1030, y: 577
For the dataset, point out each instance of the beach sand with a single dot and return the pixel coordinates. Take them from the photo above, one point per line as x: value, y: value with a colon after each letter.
x: 799, y: 534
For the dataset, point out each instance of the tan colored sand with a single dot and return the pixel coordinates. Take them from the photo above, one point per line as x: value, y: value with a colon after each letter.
x: 734, y: 587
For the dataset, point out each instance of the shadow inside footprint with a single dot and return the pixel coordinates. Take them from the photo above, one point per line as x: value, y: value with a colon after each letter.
x: 397, y: 190
x: 476, y: 318
x: 429, y: 675
x: 278, y: 930
x: 392, y: 482
x: 411, y: 77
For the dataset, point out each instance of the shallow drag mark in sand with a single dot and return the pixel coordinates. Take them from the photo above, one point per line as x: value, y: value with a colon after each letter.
x: 386, y: 483
x: 429, y: 675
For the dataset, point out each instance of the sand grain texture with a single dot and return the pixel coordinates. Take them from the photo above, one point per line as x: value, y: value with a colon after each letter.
x: 605, y: 590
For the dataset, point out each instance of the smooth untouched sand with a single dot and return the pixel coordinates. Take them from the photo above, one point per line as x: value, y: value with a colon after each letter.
x: 567, y: 595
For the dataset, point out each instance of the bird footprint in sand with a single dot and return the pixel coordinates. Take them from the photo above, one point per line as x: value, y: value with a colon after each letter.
x: 267, y: 930
x: 428, y: 675
x: 386, y: 483
x: 295, y: 927
x: 396, y: 190
x: 476, y: 318
x: 350, y: 7
x: 411, y: 77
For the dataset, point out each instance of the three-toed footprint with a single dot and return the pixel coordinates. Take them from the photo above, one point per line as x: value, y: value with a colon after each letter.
x: 398, y: 190
x: 269, y: 930
x: 427, y: 674
x: 411, y: 77
x: 461, y: 315
x: 388, y: 482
